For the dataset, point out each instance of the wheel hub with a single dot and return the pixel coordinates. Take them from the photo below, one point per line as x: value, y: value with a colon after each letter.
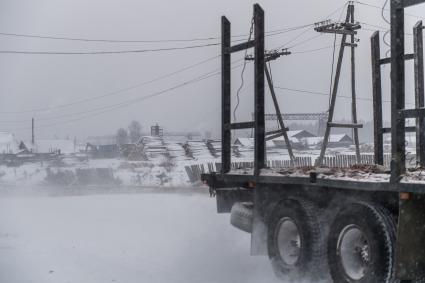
x: 288, y: 241
x: 354, y: 252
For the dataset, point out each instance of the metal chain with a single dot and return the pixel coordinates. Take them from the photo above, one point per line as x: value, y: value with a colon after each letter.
x: 251, y: 30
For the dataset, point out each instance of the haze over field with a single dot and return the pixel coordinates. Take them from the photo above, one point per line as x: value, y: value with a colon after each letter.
x: 123, y: 238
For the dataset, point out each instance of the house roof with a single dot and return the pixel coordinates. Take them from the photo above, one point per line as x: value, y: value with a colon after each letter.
x: 8, y: 143
x: 245, y: 141
x: 300, y: 134
x: 295, y: 136
x: 340, y: 138
x: 332, y: 138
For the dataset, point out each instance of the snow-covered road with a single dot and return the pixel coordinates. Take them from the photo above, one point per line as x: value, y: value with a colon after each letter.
x: 125, y: 238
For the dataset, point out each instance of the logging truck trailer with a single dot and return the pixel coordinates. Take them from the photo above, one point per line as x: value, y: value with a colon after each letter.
x: 360, y: 224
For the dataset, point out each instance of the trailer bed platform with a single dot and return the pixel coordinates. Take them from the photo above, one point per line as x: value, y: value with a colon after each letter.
x: 362, y: 178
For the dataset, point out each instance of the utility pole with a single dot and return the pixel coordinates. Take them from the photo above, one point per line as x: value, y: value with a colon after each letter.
x: 270, y: 56
x: 347, y: 28
x: 32, y: 131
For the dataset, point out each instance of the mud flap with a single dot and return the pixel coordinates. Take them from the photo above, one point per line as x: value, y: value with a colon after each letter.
x: 226, y: 198
x: 259, y: 228
x: 410, y: 256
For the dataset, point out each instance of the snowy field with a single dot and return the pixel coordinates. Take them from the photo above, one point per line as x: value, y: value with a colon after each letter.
x: 137, y: 237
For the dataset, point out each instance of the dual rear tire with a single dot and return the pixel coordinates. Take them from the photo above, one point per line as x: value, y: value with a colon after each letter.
x: 357, y: 247
x: 295, y: 241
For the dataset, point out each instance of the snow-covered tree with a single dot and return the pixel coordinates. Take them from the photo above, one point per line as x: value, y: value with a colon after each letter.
x: 135, y: 131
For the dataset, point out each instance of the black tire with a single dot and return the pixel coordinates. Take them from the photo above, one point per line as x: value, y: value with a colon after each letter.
x: 309, y: 262
x: 241, y: 216
x: 361, y: 245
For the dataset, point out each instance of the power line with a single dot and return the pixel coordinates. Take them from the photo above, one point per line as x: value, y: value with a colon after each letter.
x: 65, y: 38
x: 251, y: 30
x: 204, y: 76
x: 104, y: 40
x: 109, y: 108
x: 312, y: 50
x: 304, y: 41
x: 114, y: 92
x: 305, y: 31
x: 327, y: 94
x: 293, y: 39
x: 379, y: 28
x: 336, y: 10
x: 106, y: 52
x: 273, y: 33
x: 384, y: 9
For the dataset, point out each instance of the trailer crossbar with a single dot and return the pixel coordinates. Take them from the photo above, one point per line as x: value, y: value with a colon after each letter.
x: 241, y: 46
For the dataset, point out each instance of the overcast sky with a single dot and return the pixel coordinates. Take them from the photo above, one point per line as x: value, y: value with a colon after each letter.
x: 36, y: 82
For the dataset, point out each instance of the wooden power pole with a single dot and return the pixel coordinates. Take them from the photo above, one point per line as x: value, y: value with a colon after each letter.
x: 347, y: 28
x: 32, y: 131
x: 270, y: 56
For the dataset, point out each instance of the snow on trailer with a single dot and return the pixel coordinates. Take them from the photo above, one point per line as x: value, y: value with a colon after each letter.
x: 361, y: 223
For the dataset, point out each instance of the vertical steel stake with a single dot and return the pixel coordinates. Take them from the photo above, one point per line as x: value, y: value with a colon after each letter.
x: 225, y: 96
x: 259, y: 146
x: 398, y: 133
x: 419, y: 91
x: 377, y: 100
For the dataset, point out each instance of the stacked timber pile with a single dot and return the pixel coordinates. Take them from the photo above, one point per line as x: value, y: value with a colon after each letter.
x: 215, y: 147
x: 244, y: 148
x: 154, y: 148
x: 197, y: 149
x: 176, y: 151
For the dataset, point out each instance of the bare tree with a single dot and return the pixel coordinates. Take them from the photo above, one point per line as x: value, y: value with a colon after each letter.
x: 122, y: 136
x: 135, y: 131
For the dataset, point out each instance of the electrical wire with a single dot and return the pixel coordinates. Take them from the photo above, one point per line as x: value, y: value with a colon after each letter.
x: 333, y: 63
x: 251, y: 30
x: 116, y: 92
x: 110, y: 108
x: 50, y: 37
x: 304, y: 41
x: 380, y: 8
x: 206, y: 75
x: 337, y: 10
x: 299, y: 52
x: 305, y: 31
x: 106, y: 52
x: 293, y: 39
x: 378, y: 28
x: 23, y: 52
x: 312, y: 50
x: 326, y: 94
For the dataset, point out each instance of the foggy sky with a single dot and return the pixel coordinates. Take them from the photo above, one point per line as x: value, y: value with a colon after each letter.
x: 39, y: 81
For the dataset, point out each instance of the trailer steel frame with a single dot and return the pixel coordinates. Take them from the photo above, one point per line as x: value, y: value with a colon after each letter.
x: 406, y: 201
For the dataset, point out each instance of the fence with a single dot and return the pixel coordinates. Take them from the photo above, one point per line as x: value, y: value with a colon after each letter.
x: 340, y: 160
x: 343, y: 160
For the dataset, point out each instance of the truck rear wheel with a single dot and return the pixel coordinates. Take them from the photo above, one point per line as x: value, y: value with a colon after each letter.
x: 295, y: 241
x: 361, y: 245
